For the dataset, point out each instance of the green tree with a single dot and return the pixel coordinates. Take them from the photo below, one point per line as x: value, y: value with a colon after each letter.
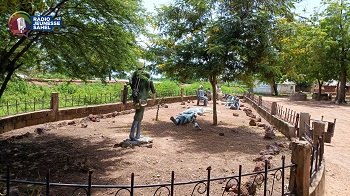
x: 334, y: 21
x: 215, y: 39
x: 96, y: 37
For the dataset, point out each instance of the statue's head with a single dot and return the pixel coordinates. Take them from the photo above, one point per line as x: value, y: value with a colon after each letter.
x: 201, y: 87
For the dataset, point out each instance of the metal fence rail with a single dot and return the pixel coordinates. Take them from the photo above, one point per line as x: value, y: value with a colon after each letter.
x: 68, y: 100
x: 85, y: 100
x: 20, y: 106
x: 267, y: 182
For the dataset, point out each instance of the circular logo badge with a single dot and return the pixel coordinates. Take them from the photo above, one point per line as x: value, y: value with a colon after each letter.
x: 19, y: 23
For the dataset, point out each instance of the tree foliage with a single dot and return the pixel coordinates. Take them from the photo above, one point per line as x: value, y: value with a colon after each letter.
x: 204, y: 39
x: 96, y: 37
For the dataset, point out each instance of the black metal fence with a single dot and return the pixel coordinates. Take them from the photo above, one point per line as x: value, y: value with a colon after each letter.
x: 85, y: 100
x: 20, y: 106
x: 267, y: 182
x: 68, y: 100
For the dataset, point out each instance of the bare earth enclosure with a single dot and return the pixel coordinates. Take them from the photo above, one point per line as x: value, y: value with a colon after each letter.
x: 69, y: 149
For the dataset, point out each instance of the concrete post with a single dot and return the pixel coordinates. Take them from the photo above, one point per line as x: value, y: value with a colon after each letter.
x: 54, y: 105
x: 319, y: 129
x: 274, y: 108
x: 300, y: 178
x: 260, y: 101
x: 304, y: 125
x: 122, y: 96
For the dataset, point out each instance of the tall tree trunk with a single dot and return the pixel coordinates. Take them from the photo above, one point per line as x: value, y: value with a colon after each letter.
x: 341, y: 96
x: 320, y: 83
x: 7, y: 79
x: 212, y: 80
x: 337, y: 92
x: 274, y: 87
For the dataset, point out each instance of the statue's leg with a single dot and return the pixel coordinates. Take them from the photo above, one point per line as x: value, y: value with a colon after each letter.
x: 138, y: 130
x: 132, y: 131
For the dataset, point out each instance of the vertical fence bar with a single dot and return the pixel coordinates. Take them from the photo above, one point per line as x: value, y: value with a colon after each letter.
x: 43, y: 103
x: 78, y: 99
x: 239, y: 179
x: 34, y: 103
x: 16, y: 106
x: 65, y: 100
x: 283, y: 165
x: 25, y: 105
x: 208, y: 181
x: 132, y: 185
x: 89, y: 185
x: 48, y: 183
x: 321, y: 142
x: 265, y: 179
x: 312, y: 160
x: 172, y: 183
x: 85, y: 99
x: 8, y: 181
x: 72, y: 100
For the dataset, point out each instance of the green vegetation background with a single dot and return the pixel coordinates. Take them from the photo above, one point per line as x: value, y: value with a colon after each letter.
x: 23, y: 96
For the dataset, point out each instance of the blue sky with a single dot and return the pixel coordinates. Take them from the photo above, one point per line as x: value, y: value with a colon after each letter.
x: 308, y: 5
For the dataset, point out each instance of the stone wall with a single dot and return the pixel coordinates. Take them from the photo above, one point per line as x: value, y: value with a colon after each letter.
x: 17, y: 121
x: 301, y: 153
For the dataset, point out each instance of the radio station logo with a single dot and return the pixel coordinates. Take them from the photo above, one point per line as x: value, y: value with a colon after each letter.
x: 20, y: 23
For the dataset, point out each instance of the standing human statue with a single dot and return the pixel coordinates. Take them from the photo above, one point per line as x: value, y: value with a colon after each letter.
x: 141, y: 84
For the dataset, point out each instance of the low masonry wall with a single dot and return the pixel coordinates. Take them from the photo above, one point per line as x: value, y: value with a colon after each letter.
x: 17, y: 121
x: 300, y: 182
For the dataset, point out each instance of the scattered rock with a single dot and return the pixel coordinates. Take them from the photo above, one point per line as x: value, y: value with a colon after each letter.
x: 109, y: 115
x: 221, y: 134
x: 72, y: 122
x: 183, y: 103
x: 61, y: 124
x: 252, y: 122
x: 258, y: 119
x: 269, y: 133
x: 41, y: 130
x: 235, y: 114
x: 166, y: 106
x: 83, y: 125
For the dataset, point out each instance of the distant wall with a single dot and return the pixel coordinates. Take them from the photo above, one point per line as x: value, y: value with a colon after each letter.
x: 17, y: 121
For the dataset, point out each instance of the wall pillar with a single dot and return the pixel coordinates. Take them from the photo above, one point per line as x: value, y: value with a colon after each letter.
x: 55, y: 105
x: 304, y: 126
x: 319, y: 130
x: 260, y: 101
x: 274, y: 108
x: 300, y: 177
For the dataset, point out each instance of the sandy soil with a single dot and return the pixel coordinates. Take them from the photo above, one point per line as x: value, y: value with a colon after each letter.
x: 69, y: 151
x: 337, y: 153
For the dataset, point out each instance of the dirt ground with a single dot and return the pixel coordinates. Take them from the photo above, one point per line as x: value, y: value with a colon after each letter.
x: 69, y: 150
x: 337, y: 153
